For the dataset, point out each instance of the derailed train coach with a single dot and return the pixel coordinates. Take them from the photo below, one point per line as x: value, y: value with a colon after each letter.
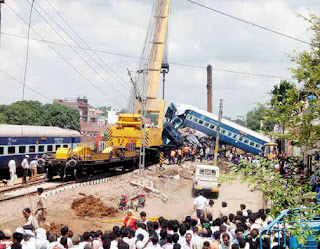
x: 16, y: 141
x: 181, y: 115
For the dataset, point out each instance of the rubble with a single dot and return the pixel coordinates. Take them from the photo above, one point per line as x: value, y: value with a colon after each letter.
x: 90, y: 206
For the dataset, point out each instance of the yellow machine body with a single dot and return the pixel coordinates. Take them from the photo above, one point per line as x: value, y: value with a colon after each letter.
x: 63, y: 153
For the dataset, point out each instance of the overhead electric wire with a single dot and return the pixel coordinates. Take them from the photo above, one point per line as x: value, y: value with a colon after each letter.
x: 137, y: 57
x: 21, y: 83
x: 248, y: 22
x: 27, y: 53
x: 73, y: 67
x: 85, y: 43
x: 74, y: 50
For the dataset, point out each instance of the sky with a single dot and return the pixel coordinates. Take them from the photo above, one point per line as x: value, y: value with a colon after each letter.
x: 197, y: 37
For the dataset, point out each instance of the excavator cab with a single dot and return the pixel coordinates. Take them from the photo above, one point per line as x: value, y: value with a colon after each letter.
x: 271, y: 151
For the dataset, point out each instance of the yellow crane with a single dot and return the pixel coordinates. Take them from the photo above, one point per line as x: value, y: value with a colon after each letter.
x: 127, y: 132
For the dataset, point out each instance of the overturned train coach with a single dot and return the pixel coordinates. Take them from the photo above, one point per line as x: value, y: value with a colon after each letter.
x: 181, y: 115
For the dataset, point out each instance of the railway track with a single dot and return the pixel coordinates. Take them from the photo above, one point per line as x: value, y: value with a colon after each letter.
x: 51, y: 188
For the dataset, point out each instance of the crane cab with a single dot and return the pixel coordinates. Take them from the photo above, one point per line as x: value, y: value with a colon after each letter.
x: 270, y: 150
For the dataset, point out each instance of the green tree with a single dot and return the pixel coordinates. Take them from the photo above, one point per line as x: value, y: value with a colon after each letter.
x: 23, y: 113
x: 256, y: 117
x: 105, y: 110
x: 308, y: 62
x: 61, y: 116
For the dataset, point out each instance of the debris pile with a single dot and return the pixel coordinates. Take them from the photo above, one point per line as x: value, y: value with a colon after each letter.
x: 55, y: 228
x: 90, y: 206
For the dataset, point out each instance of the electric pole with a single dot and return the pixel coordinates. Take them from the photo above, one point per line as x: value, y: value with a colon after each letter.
x: 1, y: 2
x: 143, y: 103
x: 215, y: 160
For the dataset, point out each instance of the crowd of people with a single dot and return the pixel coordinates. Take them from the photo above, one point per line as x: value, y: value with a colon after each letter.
x: 203, y: 230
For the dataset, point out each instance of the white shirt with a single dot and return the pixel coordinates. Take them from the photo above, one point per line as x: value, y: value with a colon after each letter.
x: 244, y: 213
x: 200, y: 202
x: 25, y: 164
x: 29, y: 244
x: 144, y: 233
x: 34, y: 164
x: 12, y: 166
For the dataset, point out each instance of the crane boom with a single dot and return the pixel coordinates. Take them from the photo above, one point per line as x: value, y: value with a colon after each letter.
x: 159, y: 38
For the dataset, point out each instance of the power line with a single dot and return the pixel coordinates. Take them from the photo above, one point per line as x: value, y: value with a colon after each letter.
x: 64, y: 59
x: 75, y: 51
x: 233, y: 71
x: 27, y: 54
x: 248, y: 22
x: 21, y: 83
x: 136, y: 57
x: 85, y: 43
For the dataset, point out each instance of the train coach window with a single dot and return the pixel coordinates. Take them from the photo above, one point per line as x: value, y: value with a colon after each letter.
x: 32, y: 149
x: 206, y: 124
x: 189, y: 117
x: 246, y: 141
x: 229, y: 134
x: 49, y: 148
x: 212, y: 127
x: 22, y: 149
x: 235, y: 136
x: 223, y: 131
x: 41, y: 148
x: 200, y: 121
x: 58, y: 146
x: 252, y: 143
x: 195, y: 120
x: 11, y: 150
x: 258, y: 146
x: 1, y: 150
x: 65, y: 146
x: 241, y: 139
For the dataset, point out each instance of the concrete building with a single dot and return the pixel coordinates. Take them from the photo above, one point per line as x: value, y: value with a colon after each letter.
x: 80, y: 104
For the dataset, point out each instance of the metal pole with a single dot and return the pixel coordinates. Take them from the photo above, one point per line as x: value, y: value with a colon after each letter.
x: 164, y: 81
x: 209, y: 88
x: 142, y: 156
x: 215, y: 160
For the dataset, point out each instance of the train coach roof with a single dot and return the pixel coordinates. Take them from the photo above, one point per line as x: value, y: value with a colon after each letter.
x: 35, y: 131
x: 181, y: 108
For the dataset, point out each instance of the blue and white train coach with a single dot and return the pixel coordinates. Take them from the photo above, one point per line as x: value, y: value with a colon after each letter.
x: 230, y: 133
x: 16, y: 141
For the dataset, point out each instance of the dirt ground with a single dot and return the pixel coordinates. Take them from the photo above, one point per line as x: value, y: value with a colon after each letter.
x: 178, y: 205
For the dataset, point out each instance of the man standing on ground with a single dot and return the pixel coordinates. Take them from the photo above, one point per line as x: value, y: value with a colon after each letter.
x: 12, y: 169
x: 199, y: 203
x: 34, y: 166
x: 25, y: 165
x: 41, y: 212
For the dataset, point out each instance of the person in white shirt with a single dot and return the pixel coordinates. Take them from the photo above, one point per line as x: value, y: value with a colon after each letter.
x: 12, y: 169
x: 243, y: 210
x: 225, y: 242
x: 188, y: 244
x: 199, y: 203
x: 25, y: 165
x: 34, y: 166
